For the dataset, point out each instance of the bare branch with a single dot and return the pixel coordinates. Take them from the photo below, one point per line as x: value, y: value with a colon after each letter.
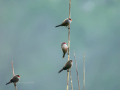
x: 68, y: 44
x: 77, y: 71
x: 12, y: 68
x: 84, y: 72
x: 69, y: 7
x: 71, y: 80
x: 15, y: 86
x: 67, y: 79
x: 13, y: 75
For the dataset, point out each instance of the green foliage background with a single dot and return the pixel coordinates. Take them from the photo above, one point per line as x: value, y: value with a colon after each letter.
x: 28, y: 37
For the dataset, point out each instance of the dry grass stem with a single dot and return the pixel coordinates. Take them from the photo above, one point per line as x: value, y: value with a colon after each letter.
x: 77, y: 72
x: 71, y: 80
x: 68, y: 44
x: 13, y: 75
x: 84, y: 72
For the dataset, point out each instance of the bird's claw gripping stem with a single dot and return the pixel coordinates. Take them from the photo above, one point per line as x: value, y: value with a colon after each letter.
x: 67, y: 70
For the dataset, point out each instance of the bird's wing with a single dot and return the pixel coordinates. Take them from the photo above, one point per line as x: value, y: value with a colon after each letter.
x: 14, y: 79
x: 65, y: 22
x: 67, y: 65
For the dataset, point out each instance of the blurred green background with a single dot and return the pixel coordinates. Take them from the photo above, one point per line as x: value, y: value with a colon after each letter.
x: 28, y: 37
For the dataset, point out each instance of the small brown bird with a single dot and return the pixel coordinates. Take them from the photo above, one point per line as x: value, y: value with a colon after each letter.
x: 64, y: 48
x: 14, y: 79
x: 67, y: 66
x: 66, y: 22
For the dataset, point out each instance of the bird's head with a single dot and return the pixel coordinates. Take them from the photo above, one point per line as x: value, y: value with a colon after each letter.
x: 64, y: 43
x: 18, y: 76
x: 71, y: 61
x: 70, y: 19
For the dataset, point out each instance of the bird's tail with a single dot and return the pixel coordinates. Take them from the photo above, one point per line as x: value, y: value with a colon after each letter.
x: 63, y: 55
x: 8, y: 83
x: 57, y: 25
x: 60, y: 70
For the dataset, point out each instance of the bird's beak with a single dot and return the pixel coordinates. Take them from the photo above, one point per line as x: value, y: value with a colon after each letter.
x: 65, y: 43
x: 71, y: 19
x: 18, y: 76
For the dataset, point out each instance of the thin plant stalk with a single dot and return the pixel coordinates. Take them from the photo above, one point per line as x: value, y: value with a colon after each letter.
x: 77, y: 71
x: 71, y: 80
x: 84, y: 72
x: 68, y: 44
x: 13, y: 75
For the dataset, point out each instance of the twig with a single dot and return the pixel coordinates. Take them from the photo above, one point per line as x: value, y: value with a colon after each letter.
x: 67, y: 79
x: 71, y: 80
x: 68, y: 44
x: 12, y: 68
x: 84, y: 72
x: 15, y: 86
x: 13, y: 75
x: 77, y: 71
x: 69, y: 7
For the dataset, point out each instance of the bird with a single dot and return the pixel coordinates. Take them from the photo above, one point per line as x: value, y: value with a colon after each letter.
x: 64, y: 48
x: 67, y: 66
x: 14, y: 79
x: 65, y: 23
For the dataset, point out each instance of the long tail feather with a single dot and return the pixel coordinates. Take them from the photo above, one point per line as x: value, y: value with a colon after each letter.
x: 60, y: 70
x: 63, y: 55
x: 8, y: 83
x: 57, y: 25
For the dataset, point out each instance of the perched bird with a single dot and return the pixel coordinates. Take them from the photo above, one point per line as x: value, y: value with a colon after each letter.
x: 64, y: 48
x: 67, y: 66
x: 14, y: 79
x: 66, y: 22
